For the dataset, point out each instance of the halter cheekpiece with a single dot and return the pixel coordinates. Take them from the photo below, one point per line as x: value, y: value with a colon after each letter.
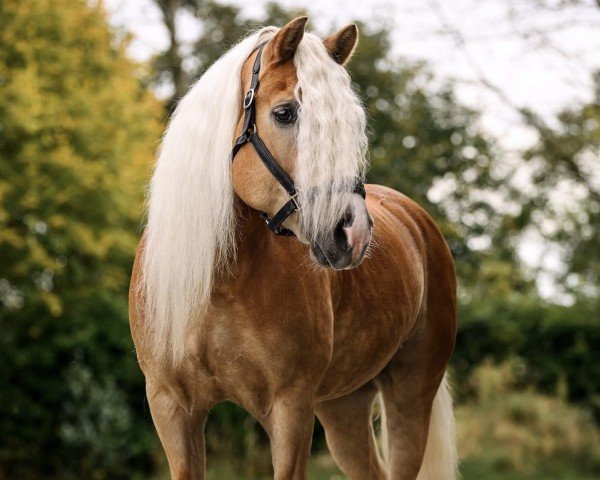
x: 250, y: 134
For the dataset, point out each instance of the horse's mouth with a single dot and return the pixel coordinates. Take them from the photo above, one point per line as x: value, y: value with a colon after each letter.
x: 319, y: 256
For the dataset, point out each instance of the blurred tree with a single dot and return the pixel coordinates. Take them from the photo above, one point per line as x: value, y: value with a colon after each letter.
x: 555, y: 345
x: 565, y: 204
x: 169, y: 64
x: 560, y: 207
x: 77, y: 136
x: 222, y: 27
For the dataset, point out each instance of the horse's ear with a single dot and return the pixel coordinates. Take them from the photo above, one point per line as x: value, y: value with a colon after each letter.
x: 285, y: 42
x: 341, y: 45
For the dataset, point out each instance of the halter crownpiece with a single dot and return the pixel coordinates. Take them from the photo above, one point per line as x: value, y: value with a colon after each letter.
x: 250, y: 134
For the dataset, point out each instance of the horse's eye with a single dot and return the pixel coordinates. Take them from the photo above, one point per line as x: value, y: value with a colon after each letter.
x: 285, y: 114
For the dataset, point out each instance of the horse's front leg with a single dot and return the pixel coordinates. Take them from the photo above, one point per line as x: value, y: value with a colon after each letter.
x: 290, y: 427
x: 181, y: 431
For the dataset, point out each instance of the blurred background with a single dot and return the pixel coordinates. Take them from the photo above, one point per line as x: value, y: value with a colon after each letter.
x: 485, y: 112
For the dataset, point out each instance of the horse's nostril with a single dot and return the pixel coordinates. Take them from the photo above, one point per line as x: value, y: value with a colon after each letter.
x: 340, y: 238
x: 348, y: 220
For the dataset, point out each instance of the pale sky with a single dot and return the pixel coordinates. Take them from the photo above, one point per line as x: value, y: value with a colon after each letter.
x: 544, y: 72
x: 539, y: 57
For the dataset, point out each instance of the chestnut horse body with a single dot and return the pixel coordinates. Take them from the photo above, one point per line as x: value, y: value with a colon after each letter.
x: 288, y: 340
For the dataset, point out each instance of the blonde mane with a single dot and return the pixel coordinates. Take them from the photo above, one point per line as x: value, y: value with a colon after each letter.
x: 191, y: 228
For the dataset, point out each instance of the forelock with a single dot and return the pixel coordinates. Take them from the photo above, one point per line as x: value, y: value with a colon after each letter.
x: 332, y: 141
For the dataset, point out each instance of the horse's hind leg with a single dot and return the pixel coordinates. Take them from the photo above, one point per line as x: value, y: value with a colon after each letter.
x: 349, y: 433
x: 181, y: 432
x: 421, y: 443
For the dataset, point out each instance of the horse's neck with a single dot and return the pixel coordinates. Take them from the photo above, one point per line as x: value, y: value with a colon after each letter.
x: 253, y: 241
x: 260, y: 253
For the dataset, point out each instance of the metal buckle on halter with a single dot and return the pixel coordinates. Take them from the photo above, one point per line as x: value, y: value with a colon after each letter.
x: 294, y: 198
x: 249, y: 98
x: 265, y: 217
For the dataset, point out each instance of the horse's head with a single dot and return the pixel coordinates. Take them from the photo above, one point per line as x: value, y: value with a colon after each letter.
x: 313, y: 125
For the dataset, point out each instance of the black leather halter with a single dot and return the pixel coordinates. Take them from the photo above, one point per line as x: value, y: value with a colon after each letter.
x: 250, y: 134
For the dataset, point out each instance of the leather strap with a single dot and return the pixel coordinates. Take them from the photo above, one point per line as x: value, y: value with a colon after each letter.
x: 274, y: 224
x: 279, y: 173
x: 248, y: 104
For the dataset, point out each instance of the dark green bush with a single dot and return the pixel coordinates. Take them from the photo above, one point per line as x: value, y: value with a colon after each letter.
x: 556, y: 344
x: 75, y: 393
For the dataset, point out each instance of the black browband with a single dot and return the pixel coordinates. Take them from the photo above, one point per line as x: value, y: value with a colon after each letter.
x: 250, y: 134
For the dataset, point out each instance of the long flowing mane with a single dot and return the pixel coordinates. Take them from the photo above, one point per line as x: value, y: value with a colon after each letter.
x: 190, y: 232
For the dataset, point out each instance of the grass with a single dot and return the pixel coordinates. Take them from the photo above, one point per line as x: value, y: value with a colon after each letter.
x: 322, y: 467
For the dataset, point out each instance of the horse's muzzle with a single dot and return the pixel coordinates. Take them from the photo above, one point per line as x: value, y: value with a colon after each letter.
x: 346, y: 247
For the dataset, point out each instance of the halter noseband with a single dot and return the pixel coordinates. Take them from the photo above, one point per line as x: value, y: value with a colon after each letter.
x: 250, y: 134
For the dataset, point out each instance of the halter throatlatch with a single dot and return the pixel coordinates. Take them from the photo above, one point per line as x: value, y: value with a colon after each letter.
x: 250, y: 134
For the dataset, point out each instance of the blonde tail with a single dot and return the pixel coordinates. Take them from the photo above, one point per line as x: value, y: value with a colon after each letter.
x: 441, y: 460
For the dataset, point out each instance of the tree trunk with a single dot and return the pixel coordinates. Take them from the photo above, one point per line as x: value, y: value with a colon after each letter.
x: 174, y: 60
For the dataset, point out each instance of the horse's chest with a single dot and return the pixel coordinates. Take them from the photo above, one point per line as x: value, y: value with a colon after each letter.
x: 362, y: 346
x: 251, y: 346
x: 375, y: 314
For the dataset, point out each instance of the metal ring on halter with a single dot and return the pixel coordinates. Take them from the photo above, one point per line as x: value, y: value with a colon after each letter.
x: 294, y: 198
x: 249, y: 98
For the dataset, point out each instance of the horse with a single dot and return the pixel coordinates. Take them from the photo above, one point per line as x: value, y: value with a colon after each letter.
x: 352, y: 302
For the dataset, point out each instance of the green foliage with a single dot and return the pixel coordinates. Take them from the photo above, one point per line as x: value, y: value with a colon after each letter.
x: 95, y: 425
x: 508, y: 432
x: 77, y: 138
x: 557, y: 345
x: 565, y: 206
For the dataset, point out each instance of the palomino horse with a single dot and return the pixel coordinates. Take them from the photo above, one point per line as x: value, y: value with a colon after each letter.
x: 291, y: 326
